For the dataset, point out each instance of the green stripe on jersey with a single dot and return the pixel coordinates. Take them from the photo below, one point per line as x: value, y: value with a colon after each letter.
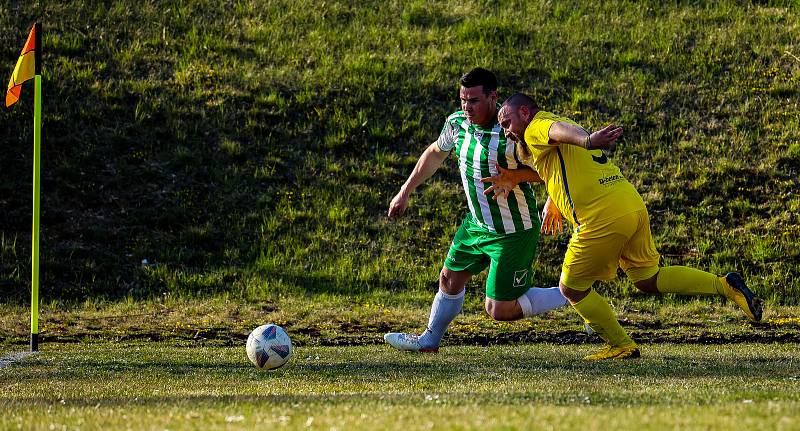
x: 492, y: 140
x: 513, y: 204
x: 467, y: 161
x: 523, y: 201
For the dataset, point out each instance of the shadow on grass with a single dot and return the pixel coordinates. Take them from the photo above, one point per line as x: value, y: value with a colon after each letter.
x: 453, y: 365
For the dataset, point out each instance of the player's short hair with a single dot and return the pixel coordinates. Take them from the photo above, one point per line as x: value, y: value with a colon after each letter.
x: 479, y: 76
x: 520, y: 99
x: 515, y: 101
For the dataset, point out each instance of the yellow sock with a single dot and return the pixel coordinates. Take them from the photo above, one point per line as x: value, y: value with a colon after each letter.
x: 598, y: 314
x: 688, y: 281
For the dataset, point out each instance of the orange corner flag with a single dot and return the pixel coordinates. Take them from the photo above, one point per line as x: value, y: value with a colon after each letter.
x: 25, y: 70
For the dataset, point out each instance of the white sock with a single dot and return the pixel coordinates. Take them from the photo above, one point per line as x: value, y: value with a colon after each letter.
x: 444, y: 309
x: 538, y: 300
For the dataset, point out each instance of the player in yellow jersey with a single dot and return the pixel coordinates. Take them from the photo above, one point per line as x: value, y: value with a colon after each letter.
x: 611, y: 224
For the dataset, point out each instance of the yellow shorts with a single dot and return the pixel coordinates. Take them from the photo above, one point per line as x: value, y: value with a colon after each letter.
x: 594, y: 254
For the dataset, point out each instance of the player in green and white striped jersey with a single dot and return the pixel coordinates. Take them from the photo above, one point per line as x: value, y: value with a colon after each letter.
x: 500, y: 233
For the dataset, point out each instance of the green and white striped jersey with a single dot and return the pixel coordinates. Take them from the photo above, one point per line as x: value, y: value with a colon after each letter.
x: 479, y: 149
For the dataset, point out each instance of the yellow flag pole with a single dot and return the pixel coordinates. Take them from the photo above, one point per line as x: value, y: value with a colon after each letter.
x: 37, y: 146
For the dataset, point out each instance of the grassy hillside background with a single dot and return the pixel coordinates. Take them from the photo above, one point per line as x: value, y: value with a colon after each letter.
x: 249, y: 149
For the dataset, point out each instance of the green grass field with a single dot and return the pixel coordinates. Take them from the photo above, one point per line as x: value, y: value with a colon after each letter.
x: 538, y: 386
x: 212, y: 165
x: 250, y: 149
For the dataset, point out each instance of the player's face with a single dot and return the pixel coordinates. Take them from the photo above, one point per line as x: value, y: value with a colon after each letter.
x: 480, y: 108
x: 512, y: 122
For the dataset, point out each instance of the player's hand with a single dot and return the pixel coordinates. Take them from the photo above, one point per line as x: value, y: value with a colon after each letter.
x: 398, y: 205
x: 552, y: 221
x: 605, y: 138
x: 502, y: 183
x: 497, y: 190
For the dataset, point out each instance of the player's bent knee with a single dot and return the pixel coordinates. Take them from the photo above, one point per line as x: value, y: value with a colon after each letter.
x: 573, y: 295
x: 452, y: 282
x: 503, y: 310
x: 644, y: 278
x: 501, y: 315
x: 648, y: 286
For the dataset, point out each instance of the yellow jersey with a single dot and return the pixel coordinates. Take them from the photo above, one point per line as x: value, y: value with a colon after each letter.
x: 586, y: 186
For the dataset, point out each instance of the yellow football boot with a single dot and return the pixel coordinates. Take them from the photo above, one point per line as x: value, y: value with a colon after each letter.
x: 608, y: 351
x: 736, y: 290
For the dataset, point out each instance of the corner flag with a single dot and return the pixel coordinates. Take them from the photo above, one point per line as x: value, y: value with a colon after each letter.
x: 29, y: 66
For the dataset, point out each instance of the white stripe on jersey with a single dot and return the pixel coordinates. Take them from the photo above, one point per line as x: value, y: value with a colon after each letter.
x: 502, y: 202
x: 462, y: 160
x: 522, y: 203
x: 476, y: 178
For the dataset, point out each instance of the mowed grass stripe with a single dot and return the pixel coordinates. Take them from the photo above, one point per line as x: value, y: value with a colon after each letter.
x: 421, y: 416
x: 159, y: 385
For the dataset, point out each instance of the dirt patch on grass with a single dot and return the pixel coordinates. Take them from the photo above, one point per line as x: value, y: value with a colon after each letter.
x: 312, y: 336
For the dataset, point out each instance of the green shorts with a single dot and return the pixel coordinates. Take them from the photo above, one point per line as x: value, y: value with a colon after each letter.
x: 508, y: 256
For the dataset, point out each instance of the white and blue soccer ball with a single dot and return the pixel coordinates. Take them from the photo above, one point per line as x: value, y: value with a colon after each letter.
x: 269, y: 346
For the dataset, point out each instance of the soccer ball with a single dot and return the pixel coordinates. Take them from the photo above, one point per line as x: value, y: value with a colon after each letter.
x: 269, y: 346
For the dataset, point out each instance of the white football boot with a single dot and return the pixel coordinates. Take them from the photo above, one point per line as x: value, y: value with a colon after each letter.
x: 407, y: 342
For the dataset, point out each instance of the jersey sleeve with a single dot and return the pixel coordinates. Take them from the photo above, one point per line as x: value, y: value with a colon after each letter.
x: 538, y: 131
x: 447, y: 137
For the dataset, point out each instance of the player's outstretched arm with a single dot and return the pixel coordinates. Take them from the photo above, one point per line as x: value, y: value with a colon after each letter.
x: 427, y: 165
x: 507, y: 179
x: 566, y: 133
